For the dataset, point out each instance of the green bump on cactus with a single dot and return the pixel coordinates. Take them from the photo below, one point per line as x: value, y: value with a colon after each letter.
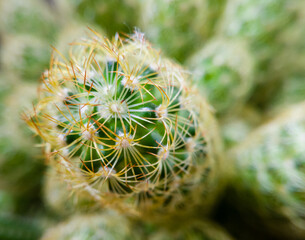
x: 224, y: 71
x: 180, y: 27
x: 127, y: 125
x: 107, y: 225
x: 270, y: 166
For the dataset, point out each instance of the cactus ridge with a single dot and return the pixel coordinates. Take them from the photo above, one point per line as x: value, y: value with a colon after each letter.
x: 122, y: 117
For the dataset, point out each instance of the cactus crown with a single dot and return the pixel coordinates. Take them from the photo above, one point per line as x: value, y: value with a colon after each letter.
x: 121, y: 115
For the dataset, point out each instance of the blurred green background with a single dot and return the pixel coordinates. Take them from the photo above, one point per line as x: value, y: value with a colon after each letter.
x: 247, y: 57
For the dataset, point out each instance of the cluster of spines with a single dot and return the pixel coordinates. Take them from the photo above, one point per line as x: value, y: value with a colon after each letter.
x: 121, y: 117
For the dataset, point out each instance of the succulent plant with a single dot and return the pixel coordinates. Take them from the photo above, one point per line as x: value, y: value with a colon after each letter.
x: 180, y: 27
x: 223, y: 70
x: 270, y: 167
x: 108, y: 225
x: 127, y: 125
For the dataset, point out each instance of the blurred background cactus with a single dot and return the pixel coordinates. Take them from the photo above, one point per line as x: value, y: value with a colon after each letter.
x: 180, y: 36
x: 161, y: 163
x: 270, y: 163
x: 217, y: 71
x: 109, y: 225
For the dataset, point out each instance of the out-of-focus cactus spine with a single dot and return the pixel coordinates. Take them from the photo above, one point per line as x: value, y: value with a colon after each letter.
x: 127, y: 125
x: 108, y: 225
x: 270, y: 168
x: 224, y: 70
x: 61, y: 198
x: 180, y: 27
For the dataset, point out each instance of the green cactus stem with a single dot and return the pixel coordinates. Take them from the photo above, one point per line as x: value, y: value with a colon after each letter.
x: 128, y: 125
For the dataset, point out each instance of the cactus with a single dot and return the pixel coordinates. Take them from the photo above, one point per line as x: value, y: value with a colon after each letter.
x: 108, y: 225
x: 128, y: 125
x: 223, y: 70
x: 180, y: 27
x: 270, y: 167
